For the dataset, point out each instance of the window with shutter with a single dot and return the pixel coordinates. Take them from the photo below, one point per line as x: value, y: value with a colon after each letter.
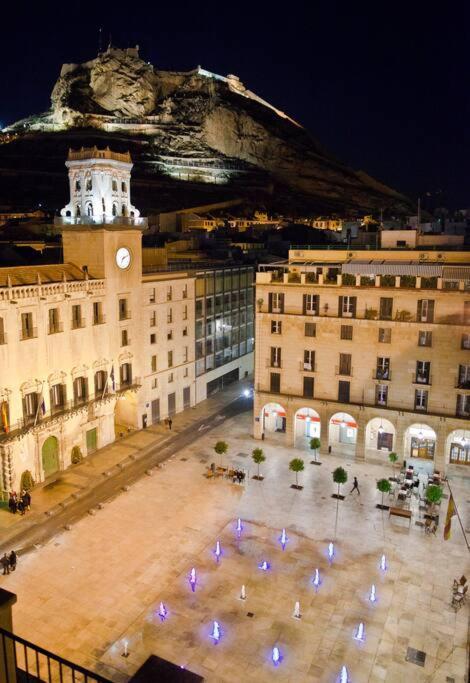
x: 386, y: 308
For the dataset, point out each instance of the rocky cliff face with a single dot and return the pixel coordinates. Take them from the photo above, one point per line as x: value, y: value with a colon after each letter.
x: 180, y: 121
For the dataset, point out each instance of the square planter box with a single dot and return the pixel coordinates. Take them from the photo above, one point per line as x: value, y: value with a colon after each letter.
x: 297, y: 487
x: 338, y: 496
x: 382, y: 507
x: 315, y: 462
x: 260, y: 478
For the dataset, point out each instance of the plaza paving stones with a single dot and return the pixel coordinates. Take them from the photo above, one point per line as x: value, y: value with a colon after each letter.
x: 90, y: 589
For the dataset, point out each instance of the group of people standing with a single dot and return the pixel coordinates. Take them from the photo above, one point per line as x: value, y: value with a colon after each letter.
x: 19, y: 503
x: 8, y: 562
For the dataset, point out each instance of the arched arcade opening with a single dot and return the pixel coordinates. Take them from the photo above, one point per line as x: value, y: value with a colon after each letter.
x: 419, y: 447
x: 273, y: 419
x: 342, y: 434
x: 380, y: 438
x: 306, y: 426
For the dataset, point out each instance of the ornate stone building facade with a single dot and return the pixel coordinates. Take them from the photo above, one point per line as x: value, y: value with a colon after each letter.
x: 369, y: 351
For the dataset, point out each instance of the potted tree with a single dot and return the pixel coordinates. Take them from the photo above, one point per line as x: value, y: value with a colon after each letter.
x: 258, y: 457
x: 384, y: 486
x: 340, y: 476
x: 27, y: 481
x: 296, y: 465
x: 315, y: 445
x: 393, y: 457
x: 221, y: 447
x: 433, y: 497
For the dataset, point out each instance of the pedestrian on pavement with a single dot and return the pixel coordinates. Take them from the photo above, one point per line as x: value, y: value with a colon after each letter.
x: 20, y: 506
x: 12, y: 502
x: 26, y: 498
x: 355, y: 487
x: 5, y: 562
x: 170, y: 422
x: 12, y: 559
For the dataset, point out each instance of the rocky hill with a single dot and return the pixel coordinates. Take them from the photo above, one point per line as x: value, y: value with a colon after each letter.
x: 193, y: 136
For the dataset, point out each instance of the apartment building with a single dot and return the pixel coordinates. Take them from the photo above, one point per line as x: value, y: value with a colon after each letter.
x: 97, y: 345
x: 369, y: 351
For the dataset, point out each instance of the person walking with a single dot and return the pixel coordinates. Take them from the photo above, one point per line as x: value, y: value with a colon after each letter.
x: 12, y: 558
x: 355, y: 487
x: 20, y: 506
x: 26, y: 498
x: 12, y: 502
x: 170, y: 422
x: 5, y: 562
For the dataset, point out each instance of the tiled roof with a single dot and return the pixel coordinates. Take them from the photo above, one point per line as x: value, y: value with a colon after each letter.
x: 28, y: 275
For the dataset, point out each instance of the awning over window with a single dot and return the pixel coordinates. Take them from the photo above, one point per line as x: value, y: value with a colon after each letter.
x: 456, y: 272
x: 391, y: 268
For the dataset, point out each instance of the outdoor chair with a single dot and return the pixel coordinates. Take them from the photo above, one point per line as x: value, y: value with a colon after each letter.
x: 459, y: 599
x: 463, y: 580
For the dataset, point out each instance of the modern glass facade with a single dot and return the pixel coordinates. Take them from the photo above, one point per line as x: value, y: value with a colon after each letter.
x: 224, y: 316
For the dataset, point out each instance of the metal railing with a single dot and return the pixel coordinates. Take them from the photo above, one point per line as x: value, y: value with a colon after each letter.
x: 22, y: 660
x: 101, y: 220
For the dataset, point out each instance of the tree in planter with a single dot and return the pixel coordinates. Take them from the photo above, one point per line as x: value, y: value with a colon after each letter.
x: 384, y: 486
x: 76, y: 455
x: 258, y: 457
x: 296, y: 465
x: 221, y: 448
x: 393, y: 457
x: 340, y: 476
x: 27, y: 481
x: 433, y: 496
x: 315, y: 444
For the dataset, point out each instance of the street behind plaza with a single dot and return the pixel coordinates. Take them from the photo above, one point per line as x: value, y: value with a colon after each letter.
x: 88, y: 590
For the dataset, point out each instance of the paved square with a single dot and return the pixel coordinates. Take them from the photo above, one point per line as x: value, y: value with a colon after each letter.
x: 100, y: 584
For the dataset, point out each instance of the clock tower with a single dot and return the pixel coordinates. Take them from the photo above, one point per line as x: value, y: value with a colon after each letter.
x: 108, y: 246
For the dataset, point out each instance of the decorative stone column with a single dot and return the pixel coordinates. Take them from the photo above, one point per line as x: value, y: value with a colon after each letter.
x: 7, y: 654
x: 440, y: 459
x: 360, y: 455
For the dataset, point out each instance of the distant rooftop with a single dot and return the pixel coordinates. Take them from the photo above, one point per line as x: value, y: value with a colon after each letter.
x: 32, y: 275
x: 95, y: 153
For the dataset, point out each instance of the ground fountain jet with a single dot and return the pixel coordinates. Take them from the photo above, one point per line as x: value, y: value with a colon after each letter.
x: 264, y: 566
x: 218, y: 551
x: 239, y: 527
x: 317, y: 580
x: 276, y: 656
x: 360, y: 633
x: 216, y: 634
x: 343, y: 675
x: 283, y: 539
x: 162, y: 612
x: 372, y: 595
x: 192, y: 579
x: 383, y: 563
x: 331, y: 552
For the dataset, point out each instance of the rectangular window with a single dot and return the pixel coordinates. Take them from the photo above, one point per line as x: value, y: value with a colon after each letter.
x: 347, y: 306
x: 383, y: 368
x: 170, y: 359
x: 123, y: 310
x: 77, y: 317
x: 155, y: 383
x: 421, y: 399
x: 152, y: 295
x: 185, y: 312
x: 57, y: 396
x: 425, y: 313
x: 309, y: 360
x: 344, y: 364
x: 423, y: 372
x: 153, y: 364
x: 169, y: 335
x: 275, y: 356
x: 169, y: 293
x: 311, y: 304
x: 346, y: 332
x: 185, y: 354
x: 54, y: 324
x: 186, y: 372
x: 124, y: 338
x: 27, y: 330
x: 98, y: 318
x: 310, y: 329
x: 100, y: 381
x: 276, y: 302
x: 275, y: 383
x: 169, y: 316
x: 466, y: 313
x: 30, y: 405
x: 463, y: 405
x: 185, y: 292
x: 185, y: 331
x: 424, y: 338
x: 343, y: 391
x: 381, y: 394
x: 465, y: 341
x: 170, y: 377
x: 80, y: 389
x: 464, y: 377
x: 386, y: 308
x: 276, y: 327
x: 153, y: 319
x: 125, y: 372
x: 308, y: 387
x: 385, y: 335
x: 153, y: 338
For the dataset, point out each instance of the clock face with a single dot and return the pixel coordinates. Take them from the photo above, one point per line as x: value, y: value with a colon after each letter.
x: 123, y: 258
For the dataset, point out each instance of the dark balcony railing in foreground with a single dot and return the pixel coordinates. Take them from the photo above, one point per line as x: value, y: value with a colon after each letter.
x: 21, y: 660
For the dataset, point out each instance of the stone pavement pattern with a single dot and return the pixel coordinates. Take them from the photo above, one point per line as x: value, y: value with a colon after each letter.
x: 90, y: 589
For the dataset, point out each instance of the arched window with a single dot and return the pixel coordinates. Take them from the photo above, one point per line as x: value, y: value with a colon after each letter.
x: 68, y: 214
x: 124, y: 210
x: 103, y: 204
x: 123, y: 187
x: 78, y: 186
x: 78, y: 211
x: 89, y: 209
x: 89, y: 185
x: 115, y: 185
x: 125, y: 372
x: 100, y: 381
x: 114, y: 209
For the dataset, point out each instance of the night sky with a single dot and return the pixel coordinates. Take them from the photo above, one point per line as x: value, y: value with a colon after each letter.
x: 384, y: 87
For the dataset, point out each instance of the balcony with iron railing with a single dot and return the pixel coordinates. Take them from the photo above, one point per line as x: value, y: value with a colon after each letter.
x: 270, y: 363
x: 463, y: 383
x: 118, y: 221
x: 55, y: 328
x: 99, y: 319
x: 307, y: 367
x: 28, y: 333
x: 78, y: 323
x: 382, y: 374
x: 422, y: 378
x: 125, y: 315
x: 65, y: 410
